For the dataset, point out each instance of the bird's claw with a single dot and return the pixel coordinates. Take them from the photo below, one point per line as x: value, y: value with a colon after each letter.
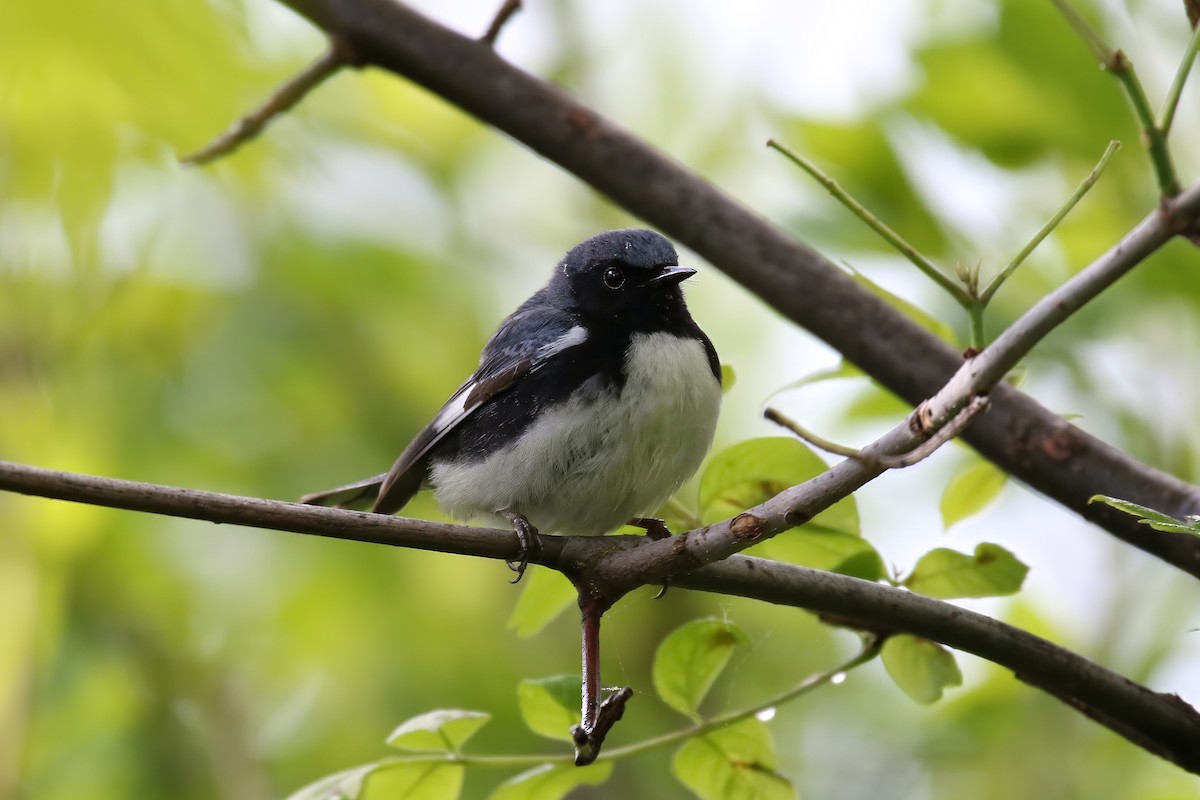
x: 530, y: 546
x: 656, y: 530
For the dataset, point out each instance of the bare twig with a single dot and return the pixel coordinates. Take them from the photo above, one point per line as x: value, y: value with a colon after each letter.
x: 285, y: 98
x: 1021, y: 437
x: 1166, y: 117
x: 914, y: 255
x: 1100, y: 49
x: 1087, y: 183
x: 503, y: 15
x: 1162, y: 724
x: 885, y: 462
x: 1153, y: 137
x: 1117, y: 63
x: 815, y: 439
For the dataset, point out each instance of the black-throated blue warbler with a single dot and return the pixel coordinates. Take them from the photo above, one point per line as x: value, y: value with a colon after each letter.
x: 593, y: 402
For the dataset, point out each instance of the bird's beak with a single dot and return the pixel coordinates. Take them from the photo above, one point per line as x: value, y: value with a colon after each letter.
x: 671, y: 276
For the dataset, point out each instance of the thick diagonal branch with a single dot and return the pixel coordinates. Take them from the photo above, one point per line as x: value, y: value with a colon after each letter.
x: 1021, y: 437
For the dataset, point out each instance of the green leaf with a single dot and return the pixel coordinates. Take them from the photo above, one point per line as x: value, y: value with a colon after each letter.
x: 736, y: 762
x: 689, y: 660
x: 728, y: 378
x: 944, y: 573
x: 550, y: 706
x: 831, y: 551
x: 545, y: 596
x: 971, y: 491
x: 917, y: 315
x: 551, y: 781
x: 416, y: 780
x: 921, y: 668
x: 1148, y: 516
x: 344, y: 785
x: 444, y: 730
x: 753, y: 471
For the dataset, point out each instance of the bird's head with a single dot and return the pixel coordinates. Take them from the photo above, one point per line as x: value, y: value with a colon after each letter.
x: 622, y: 272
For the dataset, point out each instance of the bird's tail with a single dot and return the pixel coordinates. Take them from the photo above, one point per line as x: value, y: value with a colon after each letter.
x: 358, y: 495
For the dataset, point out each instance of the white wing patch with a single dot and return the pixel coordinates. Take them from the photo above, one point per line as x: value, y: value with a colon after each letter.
x: 575, y: 336
x: 456, y: 408
x: 453, y: 410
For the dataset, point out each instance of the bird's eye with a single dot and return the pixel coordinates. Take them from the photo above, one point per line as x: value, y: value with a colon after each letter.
x: 614, y: 277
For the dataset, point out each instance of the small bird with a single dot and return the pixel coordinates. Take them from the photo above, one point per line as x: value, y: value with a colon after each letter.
x: 592, y: 404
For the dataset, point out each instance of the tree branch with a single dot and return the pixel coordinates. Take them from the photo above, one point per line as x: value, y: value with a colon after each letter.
x: 503, y: 15
x: 1162, y: 724
x: 620, y: 572
x: 1119, y: 65
x: 1166, y: 117
x: 283, y: 100
x: 915, y: 456
x: 999, y: 278
x: 1028, y: 441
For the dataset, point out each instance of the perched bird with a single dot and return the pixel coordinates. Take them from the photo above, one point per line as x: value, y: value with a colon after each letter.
x: 592, y: 404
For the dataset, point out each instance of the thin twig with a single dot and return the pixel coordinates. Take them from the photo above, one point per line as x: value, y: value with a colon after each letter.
x: 1122, y: 69
x: 922, y: 263
x: 503, y: 15
x: 285, y: 98
x: 883, y: 462
x: 1152, y: 137
x: 975, y: 332
x: 1091, y: 38
x: 816, y: 440
x: 1051, y: 224
x: 1167, y: 116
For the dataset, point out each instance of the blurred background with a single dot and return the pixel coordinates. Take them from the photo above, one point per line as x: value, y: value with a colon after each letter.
x: 285, y: 319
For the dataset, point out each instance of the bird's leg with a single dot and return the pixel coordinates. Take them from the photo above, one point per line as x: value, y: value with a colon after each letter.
x: 527, y: 538
x: 597, y: 717
x: 656, y: 530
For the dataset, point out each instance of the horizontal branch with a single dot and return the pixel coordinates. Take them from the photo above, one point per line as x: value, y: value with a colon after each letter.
x: 1162, y: 724
x: 1026, y: 440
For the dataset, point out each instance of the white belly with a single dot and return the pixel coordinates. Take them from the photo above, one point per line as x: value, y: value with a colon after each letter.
x: 588, y: 466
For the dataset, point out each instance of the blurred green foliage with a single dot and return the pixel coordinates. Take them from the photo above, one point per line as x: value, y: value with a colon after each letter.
x: 283, y: 320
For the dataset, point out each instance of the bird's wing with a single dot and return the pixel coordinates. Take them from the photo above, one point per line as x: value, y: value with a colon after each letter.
x: 532, y: 336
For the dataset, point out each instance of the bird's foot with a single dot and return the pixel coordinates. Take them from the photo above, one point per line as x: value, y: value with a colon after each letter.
x: 656, y: 530
x: 530, y: 546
